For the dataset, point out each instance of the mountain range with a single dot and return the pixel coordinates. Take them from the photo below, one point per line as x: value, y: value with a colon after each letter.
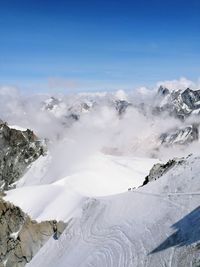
x: 101, y: 180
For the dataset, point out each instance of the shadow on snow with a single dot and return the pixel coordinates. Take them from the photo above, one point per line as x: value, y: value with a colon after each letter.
x: 187, y: 232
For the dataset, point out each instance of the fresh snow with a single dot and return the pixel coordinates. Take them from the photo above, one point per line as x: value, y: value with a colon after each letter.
x: 17, y: 127
x: 47, y: 202
x: 100, y: 175
x: 152, y: 226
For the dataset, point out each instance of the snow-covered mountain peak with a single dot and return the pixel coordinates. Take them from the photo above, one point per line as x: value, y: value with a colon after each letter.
x: 178, y: 103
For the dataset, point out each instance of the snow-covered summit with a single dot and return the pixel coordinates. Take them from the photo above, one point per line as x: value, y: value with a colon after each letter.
x: 180, y: 103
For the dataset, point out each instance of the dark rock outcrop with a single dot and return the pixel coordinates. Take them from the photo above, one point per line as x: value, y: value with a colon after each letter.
x: 159, y: 169
x: 20, y: 237
x: 18, y: 149
x: 163, y: 91
x: 191, y: 98
x: 121, y: 106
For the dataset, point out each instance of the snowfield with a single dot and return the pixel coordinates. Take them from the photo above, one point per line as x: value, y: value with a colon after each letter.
x: 40, y: 192
x: 155, y: 225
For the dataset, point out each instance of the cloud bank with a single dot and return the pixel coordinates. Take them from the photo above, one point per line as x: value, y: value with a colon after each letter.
x: 79, y: 125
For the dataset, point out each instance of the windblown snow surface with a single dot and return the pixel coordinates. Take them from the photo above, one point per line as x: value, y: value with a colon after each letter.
x: 155, y: 225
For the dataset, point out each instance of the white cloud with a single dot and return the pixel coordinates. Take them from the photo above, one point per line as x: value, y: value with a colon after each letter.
x: 121, y: 95
x: 180, y: 84
x: 134, y: 133
x: 9, y: 91
x: 145, y: 91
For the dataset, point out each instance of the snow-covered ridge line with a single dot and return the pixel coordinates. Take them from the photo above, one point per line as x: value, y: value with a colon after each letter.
x: 100, y: 175
x: 16, y: 127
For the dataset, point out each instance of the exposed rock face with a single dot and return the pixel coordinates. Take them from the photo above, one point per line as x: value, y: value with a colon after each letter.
x: 159, y: 169
x: 177, y: 102
x: 180, y: 104
x: 121, y: 106
x: 17, y: 150
x: 21, y: 237
x: 68, y: 113
x: 163, y: 91
x: 51, y: 103
x: 180, y: 136
x: 191, y: 98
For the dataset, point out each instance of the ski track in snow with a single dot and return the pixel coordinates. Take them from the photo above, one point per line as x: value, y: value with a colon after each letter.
x: 123, y: 230
x: 107, y: 246
x: 113, y: 243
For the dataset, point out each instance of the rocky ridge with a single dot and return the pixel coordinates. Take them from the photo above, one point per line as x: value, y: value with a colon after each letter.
x: 179, y: 103
x: 159, y: 169
x: 20, y: 237
x: 182, y: 136
x: 18, y: 149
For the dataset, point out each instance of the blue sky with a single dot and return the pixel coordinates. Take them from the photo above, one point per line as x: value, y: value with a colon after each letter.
x: 94, y: 45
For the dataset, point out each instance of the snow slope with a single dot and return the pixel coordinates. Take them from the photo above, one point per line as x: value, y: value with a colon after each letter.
x: 156, y: 225
x: 41, y: 191
x: 16, y: 127
x: 47, y: 202
x: 97, y: 175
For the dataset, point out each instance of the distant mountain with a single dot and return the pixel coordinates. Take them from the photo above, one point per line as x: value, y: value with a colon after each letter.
x: 71, y: 111
x: 181, y: 136
x: 179, y: 103
x: 121, y: 106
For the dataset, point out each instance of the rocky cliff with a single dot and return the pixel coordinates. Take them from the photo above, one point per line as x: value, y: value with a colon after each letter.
x: 159, y: 169
x: 20, y: 237
x: 18, y: 149
x: 179, y: 103
x: 180, y: 136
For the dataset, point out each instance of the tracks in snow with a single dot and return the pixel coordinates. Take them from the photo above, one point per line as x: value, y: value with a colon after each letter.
x: 111, y: 246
